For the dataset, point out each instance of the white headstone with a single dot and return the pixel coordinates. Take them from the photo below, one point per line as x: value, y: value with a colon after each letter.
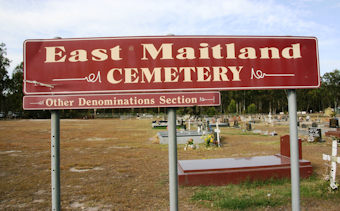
x: 270, y: 117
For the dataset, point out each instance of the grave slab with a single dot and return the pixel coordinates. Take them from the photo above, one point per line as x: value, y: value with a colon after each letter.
x: 220, y: 124
x: 182, y: 137
x: 224, y: 171
x: 333, y: 133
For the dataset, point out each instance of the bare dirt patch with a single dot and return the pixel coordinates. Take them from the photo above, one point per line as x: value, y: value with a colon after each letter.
x: 115, y: 164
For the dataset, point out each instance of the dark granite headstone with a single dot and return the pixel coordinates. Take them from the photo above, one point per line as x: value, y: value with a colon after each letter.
x: 248, y: 126
x: 235, y: 123
x: 314, y: 134
x: 226, y: 121
x: 334, y: 123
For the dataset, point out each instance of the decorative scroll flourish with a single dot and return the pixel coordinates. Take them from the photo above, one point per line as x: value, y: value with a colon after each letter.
x: 38, y: 103
x: 258, y: 74
x: 202, y: 99
x: 92, y: 78
x: 37, y: 83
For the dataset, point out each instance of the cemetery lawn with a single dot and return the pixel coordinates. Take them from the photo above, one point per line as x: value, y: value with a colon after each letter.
x: 114, y: 164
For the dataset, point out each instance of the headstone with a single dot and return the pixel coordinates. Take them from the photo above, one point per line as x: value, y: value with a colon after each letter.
x: 236, y: 124
x: 248, y: 126
x: 242, y: 118
x: 334, y: 159
x: 199, y: 126
x: 314, y: 124
x: 208, y: 126
x: 274, y: 133
x: 269, y: 118
x: 334, y: 123
x: 223, y: 119
x: 159, y: 124
x: 285, y: 146
x: 226, y: 121
x: 314, y: 134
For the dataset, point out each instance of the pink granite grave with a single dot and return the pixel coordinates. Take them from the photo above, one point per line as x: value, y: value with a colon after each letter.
x: 235, y: 170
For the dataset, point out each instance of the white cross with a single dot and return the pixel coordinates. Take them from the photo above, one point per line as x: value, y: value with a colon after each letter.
x: 217, y: 130
x: 333, y: 160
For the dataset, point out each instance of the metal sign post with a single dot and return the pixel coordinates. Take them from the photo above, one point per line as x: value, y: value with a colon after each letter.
x: 294, y: 150
x: 173, y: 179
x: 55, y: 159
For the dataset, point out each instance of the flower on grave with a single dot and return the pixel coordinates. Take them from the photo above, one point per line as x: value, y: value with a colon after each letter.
x: 209, y: 139
x: 190, y: 141
x: 190, y: 144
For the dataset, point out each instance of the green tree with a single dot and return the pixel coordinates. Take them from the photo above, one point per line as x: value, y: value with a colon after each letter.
x: 15, y: 89
x: 4, y: 78
x: 232, y: 106
x: 251, y: 109
x: 211, y: 111
x: 331, y: 85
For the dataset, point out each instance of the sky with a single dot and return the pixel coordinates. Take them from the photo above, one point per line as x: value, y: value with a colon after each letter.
x: 45, y: 19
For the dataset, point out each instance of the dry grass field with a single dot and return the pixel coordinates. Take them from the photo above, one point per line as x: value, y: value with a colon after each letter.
x: 113, y: 164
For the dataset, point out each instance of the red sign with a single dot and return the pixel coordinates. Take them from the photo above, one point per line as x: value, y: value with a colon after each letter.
x: 169, y: 63
x: 185, y: 99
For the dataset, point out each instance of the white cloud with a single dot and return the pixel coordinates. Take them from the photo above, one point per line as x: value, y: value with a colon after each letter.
x: 81, y: 17
x: 330, y: 65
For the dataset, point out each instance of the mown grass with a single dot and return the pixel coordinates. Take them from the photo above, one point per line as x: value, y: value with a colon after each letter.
x: 261, y: 194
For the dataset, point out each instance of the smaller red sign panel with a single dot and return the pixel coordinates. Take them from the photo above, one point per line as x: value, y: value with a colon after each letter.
x: 184, y: 99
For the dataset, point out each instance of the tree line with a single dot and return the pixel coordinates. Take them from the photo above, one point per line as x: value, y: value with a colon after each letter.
x: 232, y: 102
